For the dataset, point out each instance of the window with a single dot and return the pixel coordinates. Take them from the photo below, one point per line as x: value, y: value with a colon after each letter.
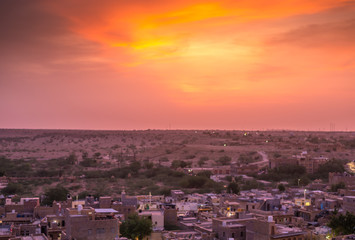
x: 100, y: 230
x: 241, y: 234
x: 224, y: 234
x: 89, y: 231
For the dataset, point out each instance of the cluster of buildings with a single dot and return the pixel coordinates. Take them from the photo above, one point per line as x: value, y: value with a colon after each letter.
x: 295, y: 214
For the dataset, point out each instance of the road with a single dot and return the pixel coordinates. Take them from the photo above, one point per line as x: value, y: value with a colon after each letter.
x: 264, y: 162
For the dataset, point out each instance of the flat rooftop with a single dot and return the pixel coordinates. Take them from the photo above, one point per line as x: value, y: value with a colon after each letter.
x: 105, y: 210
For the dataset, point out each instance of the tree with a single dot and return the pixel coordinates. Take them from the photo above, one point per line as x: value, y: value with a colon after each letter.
x: 335, y: 187
x: 330, y: 166
x: 343, y: 224
x: 233, y: 187
x: 72, y: 159
x: 148, y: 165
x: 206, y: 174
x: 194, y: 181
x: 58, y: 193
x: 136, y: 227
x: 281, y: 187
x: 180, y: 164
x: 12, y: 188
x: 134, y: 167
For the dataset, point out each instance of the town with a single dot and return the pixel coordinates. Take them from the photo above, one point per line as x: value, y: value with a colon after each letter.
x: 191, y: 191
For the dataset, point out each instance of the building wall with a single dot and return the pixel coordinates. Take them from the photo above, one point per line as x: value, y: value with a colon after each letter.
x: 226, y: 233
x: 125, y: 210
x: 228, y: 228
x: 105, y: 202
x: 170, y: 217
x: 42, y: 211
x: 81, y: 227
x: 335, y: 178
x: 349, y: 204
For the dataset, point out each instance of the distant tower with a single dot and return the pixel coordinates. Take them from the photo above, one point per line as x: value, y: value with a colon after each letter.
x: 332, y: 127
x: 123, y: 194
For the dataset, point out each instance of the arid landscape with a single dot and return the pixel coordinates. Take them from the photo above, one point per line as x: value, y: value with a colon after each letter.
x: 106, y: 162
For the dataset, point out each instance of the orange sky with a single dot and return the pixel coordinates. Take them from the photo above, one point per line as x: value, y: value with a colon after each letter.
x: 267, y: 64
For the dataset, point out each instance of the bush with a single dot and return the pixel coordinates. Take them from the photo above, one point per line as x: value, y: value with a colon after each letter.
x: 206, y: 174
x: 284, y: 172
x: 233, y: 187
x: 252, y: 184
x: 248, y: 158
x: 193, y: 182
x: 47, y: 173
x: 225, y: 160
x: 336, y: 187
x: 343, y: 224
x: 58, y: 193
x: 134, y: 167
x: 12, y: 188
x: 281, y: 187
x: 330, y: 166
x: 190, y: 156
x: 180, y: 164
x: 136, y: 227
x: 14, y: 168
x: 82, y: 195
x: 119, y: 172
x: 88, y: 162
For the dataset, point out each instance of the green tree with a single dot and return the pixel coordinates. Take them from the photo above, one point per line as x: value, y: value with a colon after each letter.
x: 72, y: 159
x: 343, y: 224
x: 335, y: 187
x: 206, y: 174
x: 12, y: 188
x: 136, y: 227
x: 330, y: 166
x: 134, y: 167
x: 148, y: 165
x: 57, y: 193
x: 194, y: 181
x: 97, y: 155
x: 233, y: 187
x: 281, y: 187
x: 180, y: 164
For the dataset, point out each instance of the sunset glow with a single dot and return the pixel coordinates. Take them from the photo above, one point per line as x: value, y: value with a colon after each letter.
x: 185, y: 64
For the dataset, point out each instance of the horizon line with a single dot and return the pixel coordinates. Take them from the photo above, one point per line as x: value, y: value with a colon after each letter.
x: 181, y: 129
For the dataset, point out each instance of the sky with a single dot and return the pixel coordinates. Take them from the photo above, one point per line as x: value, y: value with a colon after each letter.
x: 177, y: 64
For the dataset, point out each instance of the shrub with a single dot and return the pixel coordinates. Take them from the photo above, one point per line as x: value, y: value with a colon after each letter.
x: 225, y: 160
x: 58, y: 193
x: 12, y: 188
